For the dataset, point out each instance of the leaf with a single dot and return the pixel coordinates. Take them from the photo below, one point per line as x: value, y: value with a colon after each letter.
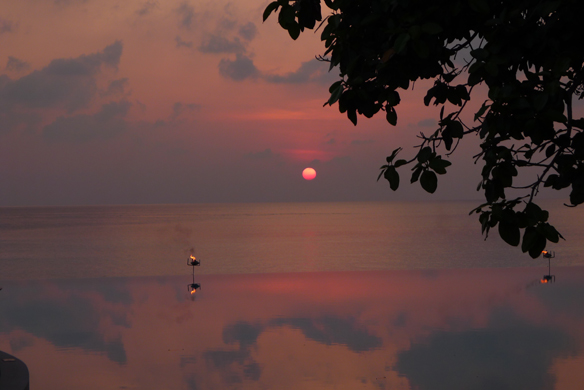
x: 391, y: 116
x: 392, y: 177
x: 383, y: 168
x: 550, y: 233
x: 401, y: 42
x: 416, y: 174
x: 399, y: 163
x: 424, y: 154
x: 294, y: 30
x: 529, y: 237
x: 540, y: 100
x: 390, y: 158
x: 439, y: 165
x: 352, y: 115
x: 286, y: 17
x: 421, y: 49
x: 481, y: 111
x: 432, y: 28
x: 538, y: 246
x: 550, y: 150
x: 577, y: 195
x: 480, y: 54
x: 480, y: 6
x: 456, y: 129
x: 273, y: 6
x: 509, y: 233
x: 429, y: 181
x: 336, y: 91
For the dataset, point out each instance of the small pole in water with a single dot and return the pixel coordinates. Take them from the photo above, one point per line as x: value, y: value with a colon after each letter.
x: 549, y: 277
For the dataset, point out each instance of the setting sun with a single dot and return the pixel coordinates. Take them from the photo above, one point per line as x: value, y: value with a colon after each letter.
x: 309, y: 173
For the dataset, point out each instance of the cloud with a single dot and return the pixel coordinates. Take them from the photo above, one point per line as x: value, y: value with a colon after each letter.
x: 263, y: 155
x: 309, y: 71
x: 430, y: 122
x: 147, y: 7
x: 213, y: 43
x: 518, y: 357
x: 186, y: 14
x: 15, y: 65
x: 106, y: 123
x: 181, y: 43
x: 362, y: 142
x: 248, y: 31
x: 236, y: 365
x: 116, y: 87
x: 226, y: 24
x: 64, y: 83
x: 178, y: 108
x: 71, y: 321
x: 239, y: 69
x: 331, y: 141
x: 331, y: 330
x: 7, y: 26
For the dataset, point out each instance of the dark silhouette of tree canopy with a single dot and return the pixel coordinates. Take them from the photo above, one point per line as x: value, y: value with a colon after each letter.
x: 527, y: 54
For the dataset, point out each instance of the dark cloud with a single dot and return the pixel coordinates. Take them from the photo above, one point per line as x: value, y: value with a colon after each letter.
x: 333, y: 330
x: 331, y: 141
x: 106, y: 123
x: 226, y: 24
x: 181, y: 43
x: 213, y: 43
x: 236, y: 365
x: 309, y: 71
x: 362, y: 142
x: 147, y: 7
x: 429, y: 122
x: 70, y: 322
x: 64, y: 83
x: 186, y: 14
x: 516, y: 357
x: 15, y: 65
x: 263, y: 155
x: 239, y: 69
x: 7, y: 26
x: 178, y: 108
x: 565, y: 299
x: 116, y: 87
x: 248, y: 31
x: 244, y: 333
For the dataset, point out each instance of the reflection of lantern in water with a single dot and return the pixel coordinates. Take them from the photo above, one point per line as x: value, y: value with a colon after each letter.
x: 193, y: 287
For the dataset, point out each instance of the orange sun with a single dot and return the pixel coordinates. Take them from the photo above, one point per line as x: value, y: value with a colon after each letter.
x: 309, y: 173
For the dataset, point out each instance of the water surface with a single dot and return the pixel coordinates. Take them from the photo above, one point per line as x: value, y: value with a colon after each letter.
x: 153, y: 240
x: 427, y: 330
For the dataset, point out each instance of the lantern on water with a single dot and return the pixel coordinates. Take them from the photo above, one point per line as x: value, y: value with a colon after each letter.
x: 192, y: 261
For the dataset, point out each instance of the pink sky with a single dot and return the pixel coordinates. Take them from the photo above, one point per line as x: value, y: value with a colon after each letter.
x: 182, y: 102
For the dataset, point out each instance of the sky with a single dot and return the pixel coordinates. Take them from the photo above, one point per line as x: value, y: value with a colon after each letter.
x: 143, y: 102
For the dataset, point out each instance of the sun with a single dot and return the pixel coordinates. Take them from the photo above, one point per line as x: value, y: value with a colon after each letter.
x: 309, y: 173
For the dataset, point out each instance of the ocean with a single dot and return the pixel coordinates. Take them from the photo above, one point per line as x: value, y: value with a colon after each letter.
x: 155, y: 240
x: 288, y: 296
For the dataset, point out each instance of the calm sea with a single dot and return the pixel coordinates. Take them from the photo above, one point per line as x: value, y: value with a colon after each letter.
x: 154, y: 240
x: 429, y: 305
